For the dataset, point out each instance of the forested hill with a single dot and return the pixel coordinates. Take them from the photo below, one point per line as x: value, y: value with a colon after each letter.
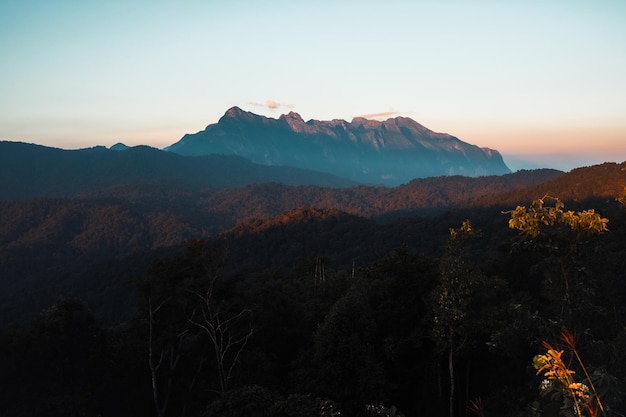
x: 225, y: 207
x: 28, y: 171
x: 604, y: 181
x: 419, y: 197
x: 51, y: 246
x: 321, y: 310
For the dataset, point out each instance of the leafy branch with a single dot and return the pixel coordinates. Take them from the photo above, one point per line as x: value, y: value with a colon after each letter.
x: 533, y: 219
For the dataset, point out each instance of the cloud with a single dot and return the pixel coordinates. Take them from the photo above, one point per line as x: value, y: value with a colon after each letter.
x: 379, y: 115
x: 272, y: 105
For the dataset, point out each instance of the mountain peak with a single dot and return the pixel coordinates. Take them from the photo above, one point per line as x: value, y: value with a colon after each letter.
x: 383, y: 152
x: 292, y: 115
x: 407, y: 122
x: 236, y: 113
x: 294, y: 121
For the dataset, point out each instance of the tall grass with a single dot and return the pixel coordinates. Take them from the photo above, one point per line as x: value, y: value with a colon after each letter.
x: 578, y: 398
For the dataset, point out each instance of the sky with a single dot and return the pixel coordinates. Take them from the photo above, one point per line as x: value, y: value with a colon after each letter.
x: 543, y: 82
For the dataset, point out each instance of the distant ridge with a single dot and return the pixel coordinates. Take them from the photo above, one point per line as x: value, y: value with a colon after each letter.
x: 119, y: 147
x: 28, y: 170
x: 390, y: 152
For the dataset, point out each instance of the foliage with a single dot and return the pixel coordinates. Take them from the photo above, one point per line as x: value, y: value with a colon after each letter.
x: 252, y: 401
x: 350, y: 314
x: 574, y: 398
x: 532, y: 220
x: 622, y: 198
x: 457, y: 316
x: 64, y: 363
x: 256, y: 401
x: 454, y: 292
x: 558, y: 244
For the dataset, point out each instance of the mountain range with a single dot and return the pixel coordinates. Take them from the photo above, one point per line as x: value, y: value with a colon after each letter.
x: 287, y: 237
x: 390, y: 152
x: 74, y: 219
x: 28, y: 170
x: 244, y: 148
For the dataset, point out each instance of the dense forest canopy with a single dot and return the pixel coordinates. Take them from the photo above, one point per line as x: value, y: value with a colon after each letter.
x: 431, y: 298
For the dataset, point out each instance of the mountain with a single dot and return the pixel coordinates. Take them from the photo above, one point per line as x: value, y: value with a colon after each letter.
x: 28, y: 170
x: 119, y: 147
x: 391, y: 152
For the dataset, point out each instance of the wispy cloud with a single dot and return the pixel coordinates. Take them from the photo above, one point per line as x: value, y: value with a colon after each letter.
x: 379, y: 115
x: 272, y: 105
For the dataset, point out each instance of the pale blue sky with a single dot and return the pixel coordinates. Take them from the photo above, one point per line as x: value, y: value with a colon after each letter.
x: 539, y: 79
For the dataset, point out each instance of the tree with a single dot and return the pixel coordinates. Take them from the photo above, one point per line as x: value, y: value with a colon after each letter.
x: 168, y: 355
x: 534, y: 220
x: 460, y: 300
x: 176, y: 356
x: 563, y: 250
x: 560, y: 241
x: 396, y: 287
x: 344, y: 364
x: 229, y: 332
x: 55, y: 364
x: 369, y: 347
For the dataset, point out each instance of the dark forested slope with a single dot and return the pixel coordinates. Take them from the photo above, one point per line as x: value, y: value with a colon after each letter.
x: 54, y: 246
x: 323, y: 310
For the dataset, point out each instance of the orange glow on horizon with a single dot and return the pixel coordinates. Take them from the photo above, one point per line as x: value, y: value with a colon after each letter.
x: 586, y: 140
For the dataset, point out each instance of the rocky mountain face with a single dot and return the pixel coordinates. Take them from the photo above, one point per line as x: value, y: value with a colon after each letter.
x: 391, y: 152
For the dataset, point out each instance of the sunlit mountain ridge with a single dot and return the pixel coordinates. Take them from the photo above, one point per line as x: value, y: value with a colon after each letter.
x: 390, y: 152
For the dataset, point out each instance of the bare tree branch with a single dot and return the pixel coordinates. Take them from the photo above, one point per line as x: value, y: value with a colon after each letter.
x: 222, y: 331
